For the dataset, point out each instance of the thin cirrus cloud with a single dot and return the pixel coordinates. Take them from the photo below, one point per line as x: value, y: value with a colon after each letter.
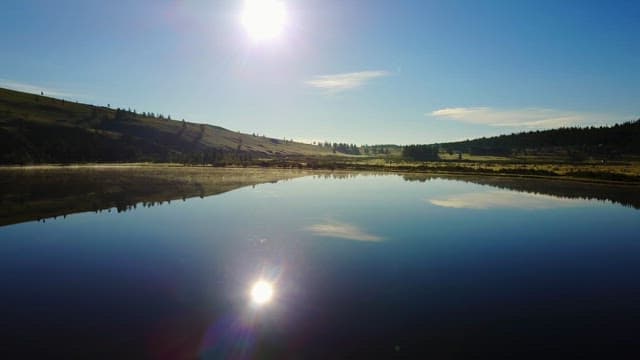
x: 345, y: 81
x: 524, y: 118
x: 342, y: 231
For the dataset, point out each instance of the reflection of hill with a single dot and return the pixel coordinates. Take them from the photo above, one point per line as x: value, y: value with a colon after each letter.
x: 33, y: 194
x: 40, y: 193
x: 627, y: 195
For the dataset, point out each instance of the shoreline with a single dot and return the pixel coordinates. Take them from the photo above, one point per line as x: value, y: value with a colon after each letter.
x: 343, y: 167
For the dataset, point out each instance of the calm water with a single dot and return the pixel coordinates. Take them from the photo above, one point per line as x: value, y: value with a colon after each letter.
x: 372, y: 266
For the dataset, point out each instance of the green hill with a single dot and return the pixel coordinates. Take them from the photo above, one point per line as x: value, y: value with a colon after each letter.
x: 40, y: 129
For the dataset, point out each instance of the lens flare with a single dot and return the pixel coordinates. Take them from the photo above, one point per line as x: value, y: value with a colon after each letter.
x: 263, y: 19
x: 261, y: 292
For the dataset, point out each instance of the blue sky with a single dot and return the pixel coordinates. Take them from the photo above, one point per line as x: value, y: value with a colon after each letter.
x: 363, y: 71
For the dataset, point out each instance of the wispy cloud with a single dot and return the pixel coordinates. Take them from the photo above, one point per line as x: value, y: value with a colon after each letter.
x: 346, y: 81
x: 505, y: 199
x: 36, y: 89
x: 342, y: 231
x: 523, y: 118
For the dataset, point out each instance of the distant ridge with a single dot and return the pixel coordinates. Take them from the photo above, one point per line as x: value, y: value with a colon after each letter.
x: 40, y: 129
x: 574, y: 143
x: 36, y: 129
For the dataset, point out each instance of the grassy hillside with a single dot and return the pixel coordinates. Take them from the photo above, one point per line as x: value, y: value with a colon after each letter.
x: 39, y: 129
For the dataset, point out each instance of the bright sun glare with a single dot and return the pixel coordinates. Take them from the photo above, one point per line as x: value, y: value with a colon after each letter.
x: 261, y: 292
x: 264, y: 19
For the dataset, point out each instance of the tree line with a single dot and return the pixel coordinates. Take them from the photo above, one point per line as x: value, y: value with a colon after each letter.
x: 351, y: 149
x: 575, y: 143
x: 421, y: 152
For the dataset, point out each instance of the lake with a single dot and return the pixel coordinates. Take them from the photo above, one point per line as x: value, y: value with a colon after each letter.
x: 359, y: 265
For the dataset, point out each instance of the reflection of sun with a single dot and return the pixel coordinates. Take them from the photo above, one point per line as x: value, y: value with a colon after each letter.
x: 261, y: 292
x: 263, y: 19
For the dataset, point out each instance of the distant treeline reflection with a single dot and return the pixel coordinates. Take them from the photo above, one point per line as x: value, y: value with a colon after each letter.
x: 38, y: 194
x: 623, y: 194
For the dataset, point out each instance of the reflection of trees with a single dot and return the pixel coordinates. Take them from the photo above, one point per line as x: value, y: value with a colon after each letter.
x: 27, y: 195
x: 347, y: 175
x: 46, y: 193
x: 623, y: 194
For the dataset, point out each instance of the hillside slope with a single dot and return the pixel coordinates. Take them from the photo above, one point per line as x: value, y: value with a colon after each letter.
x: 606, y: 142
x: 40, y: 129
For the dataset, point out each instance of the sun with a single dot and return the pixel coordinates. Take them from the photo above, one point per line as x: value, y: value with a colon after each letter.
x: 264, y: 19
x: 261, y: 292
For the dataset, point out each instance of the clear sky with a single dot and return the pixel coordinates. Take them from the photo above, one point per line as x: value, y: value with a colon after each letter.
x: 363, y: 71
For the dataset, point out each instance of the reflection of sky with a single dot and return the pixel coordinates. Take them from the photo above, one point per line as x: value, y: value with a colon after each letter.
x: 505, y: 199
x: 185, y: 269
x: 342, y: 231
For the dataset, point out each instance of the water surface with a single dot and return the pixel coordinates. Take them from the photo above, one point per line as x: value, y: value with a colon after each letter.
x: 361, y: 264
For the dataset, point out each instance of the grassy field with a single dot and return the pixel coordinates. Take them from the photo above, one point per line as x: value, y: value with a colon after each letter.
x: 621, y: 171
x: 627, y: 172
